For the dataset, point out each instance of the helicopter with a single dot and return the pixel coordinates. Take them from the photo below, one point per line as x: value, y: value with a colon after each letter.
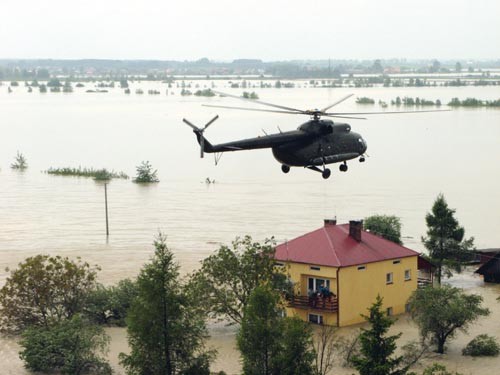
x: 315, y: 144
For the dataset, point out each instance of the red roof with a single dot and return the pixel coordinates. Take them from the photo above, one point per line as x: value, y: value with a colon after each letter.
x: 332, y: 246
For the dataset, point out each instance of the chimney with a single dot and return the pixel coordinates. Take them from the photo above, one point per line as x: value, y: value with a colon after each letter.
x: 355, y: 228
x: 330, y: 221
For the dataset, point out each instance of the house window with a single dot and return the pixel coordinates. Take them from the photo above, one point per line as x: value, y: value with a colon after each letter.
x: 389, y: 311
x: 314, y: 283
x: 388, y: 278
x: 396, y: 261
x: 316, y: 319
x: 279, y: 264
x: 407, y: 275
x: 361, y: 268
x: 315, y: 268
x: 407, y: 307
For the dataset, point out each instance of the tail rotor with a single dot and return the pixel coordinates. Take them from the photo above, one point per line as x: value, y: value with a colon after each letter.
x: 199, y: 132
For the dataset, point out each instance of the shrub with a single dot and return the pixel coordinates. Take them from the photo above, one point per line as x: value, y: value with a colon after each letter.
x: 482, y: 345
x: 145, y: 173
x: 109, y: 305
x: 19, y: 162
x: 71, y: 347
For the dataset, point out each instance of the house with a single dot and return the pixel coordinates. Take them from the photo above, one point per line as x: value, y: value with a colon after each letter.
x: 484, y: 255
x: 491, y: 268
x: 353, y: 266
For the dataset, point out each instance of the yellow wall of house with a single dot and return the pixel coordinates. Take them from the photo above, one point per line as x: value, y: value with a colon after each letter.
x: 359, y: 288
x: 329, y: 318
x: 299, y: 273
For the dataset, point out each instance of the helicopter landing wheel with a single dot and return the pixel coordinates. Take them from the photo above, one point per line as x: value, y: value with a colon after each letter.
x: 343, y: 167
x: 362, y: 159
x: 326, y: 173
x: 285, y: 168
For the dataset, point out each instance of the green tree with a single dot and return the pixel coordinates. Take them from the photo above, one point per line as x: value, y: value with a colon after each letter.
x: 458, y: 67
x: 387, y: 226
x: 445, y: 239
x: 44, y: 290
x: 146, y: 173
x: 20, y: 162
x: 71, y: 347
x: 165, y: 326
x: 227, y: 278
x: 440, y: 312
x: 377, y: 348
x: 270, y: 344
x: 296, y: 355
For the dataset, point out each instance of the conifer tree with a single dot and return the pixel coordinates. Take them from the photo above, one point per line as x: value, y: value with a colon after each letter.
x: 377, y: 348
x: 445, y: 239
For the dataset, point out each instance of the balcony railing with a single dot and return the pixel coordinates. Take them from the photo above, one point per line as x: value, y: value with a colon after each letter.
x: 424, y: 282
x: 318, y: 303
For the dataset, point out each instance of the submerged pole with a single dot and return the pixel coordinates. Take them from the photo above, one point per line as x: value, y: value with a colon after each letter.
x: 106, y: 207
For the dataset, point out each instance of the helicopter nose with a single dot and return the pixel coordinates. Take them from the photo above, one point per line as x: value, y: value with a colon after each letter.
x: 363, y: 146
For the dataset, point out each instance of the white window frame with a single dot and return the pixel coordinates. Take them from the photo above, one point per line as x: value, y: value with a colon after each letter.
x: 319, y: 319
x: 408, y: 272
x: 389, y: 278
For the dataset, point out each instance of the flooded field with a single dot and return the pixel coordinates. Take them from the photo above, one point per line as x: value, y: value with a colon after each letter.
x: 412, y: 159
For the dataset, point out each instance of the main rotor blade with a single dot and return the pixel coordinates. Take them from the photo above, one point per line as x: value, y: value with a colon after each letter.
x: 190, y: 124
x: 385, y: 113
x: 337, y: 102
x: 252, y: 109
x: 258, y: 101
x: 210, y: 122
x: 349, y: 117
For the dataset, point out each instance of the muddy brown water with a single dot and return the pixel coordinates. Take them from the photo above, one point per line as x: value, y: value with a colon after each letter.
x: 412, y: 159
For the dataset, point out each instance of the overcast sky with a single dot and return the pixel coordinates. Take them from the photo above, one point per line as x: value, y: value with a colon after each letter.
x: 265, y: 29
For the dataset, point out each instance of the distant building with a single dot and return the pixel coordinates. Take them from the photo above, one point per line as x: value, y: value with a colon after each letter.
x: 490, y: 268
x: 338, y: 271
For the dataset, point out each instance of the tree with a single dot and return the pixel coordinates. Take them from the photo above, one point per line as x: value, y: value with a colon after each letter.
x: 458, y: 67
x: 45, y: 290
x: 19, y: 162
x: 445, y: 239
x: 270, y: 344
x: 387, y: 226
x: 439, y: 312
x: 165, y: 326
x: 145, y: 173
x: 297, y: 354
x: 227, y: 278
x: 72, y: 347
x: 377, y: 348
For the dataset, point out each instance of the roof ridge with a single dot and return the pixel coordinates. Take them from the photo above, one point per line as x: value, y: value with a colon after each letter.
x: 331, y: 246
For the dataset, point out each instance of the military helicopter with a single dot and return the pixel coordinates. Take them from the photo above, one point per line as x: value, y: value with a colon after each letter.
x: 315, y: 144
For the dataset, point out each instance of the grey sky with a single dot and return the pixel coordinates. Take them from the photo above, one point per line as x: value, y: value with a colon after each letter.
x: 266, y: 29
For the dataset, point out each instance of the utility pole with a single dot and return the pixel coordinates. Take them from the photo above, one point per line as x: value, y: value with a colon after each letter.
x: 106, y: 207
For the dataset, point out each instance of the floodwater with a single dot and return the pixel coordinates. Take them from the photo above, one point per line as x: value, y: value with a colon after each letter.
x: 412, y: 159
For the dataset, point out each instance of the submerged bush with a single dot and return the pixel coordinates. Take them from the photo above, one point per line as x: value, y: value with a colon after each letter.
x: 97, y: 174
x: 145, y: 173
x: 19, y: 162
x: 482, y: 345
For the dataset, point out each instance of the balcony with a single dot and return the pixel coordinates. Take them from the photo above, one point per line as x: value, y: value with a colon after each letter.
x: 318, y: 303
